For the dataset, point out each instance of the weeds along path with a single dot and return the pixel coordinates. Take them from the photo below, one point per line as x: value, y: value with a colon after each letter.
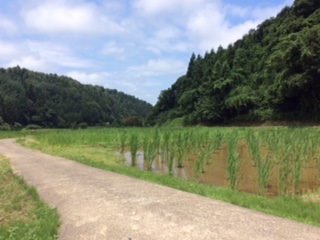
x: 96, y: 204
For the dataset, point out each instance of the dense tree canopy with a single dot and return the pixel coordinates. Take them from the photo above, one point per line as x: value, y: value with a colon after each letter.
x: 272, y: 73
x: 49, y: 100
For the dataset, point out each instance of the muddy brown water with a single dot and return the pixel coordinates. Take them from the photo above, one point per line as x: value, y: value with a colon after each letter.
x: 215, y: 172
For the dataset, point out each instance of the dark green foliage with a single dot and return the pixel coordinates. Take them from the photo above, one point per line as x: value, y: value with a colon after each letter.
x: 53, y: 101
x: 83, y: 125
x: 17, y: 126
x: 272, y: 73
x: 4, y: 126
x: 33, y: 127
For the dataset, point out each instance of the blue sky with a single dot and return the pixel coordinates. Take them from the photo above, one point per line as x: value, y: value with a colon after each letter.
x: 139, y: 47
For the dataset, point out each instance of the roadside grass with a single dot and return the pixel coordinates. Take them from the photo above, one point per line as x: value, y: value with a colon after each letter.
x: 13, y: 134
x: 102, y: 155
x: 23, y: 216
x: 312, y: 197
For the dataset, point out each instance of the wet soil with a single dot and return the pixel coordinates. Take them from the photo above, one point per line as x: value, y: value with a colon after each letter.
x: 215, y: 171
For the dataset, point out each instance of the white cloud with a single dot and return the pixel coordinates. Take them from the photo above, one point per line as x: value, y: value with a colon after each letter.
x: 208, y: 28
x: 140, y: 81
x: 156, y: 7
x: 256, y: 13
x: 112, y: 48
x: 7, y: 25
x: 158, y: 67
x: 261, y: 14
x: 168, y: 32
x: 32, y: 63
x: 159, y: 46
x: 58, y: 54
x: 120, y: 81
x: 90, y: 78
x: 54, y: 17
x: 8, y: 51
x: 195, y: 25
x: 237, y: 11
x: 43, y: 56
x: 167, y: 39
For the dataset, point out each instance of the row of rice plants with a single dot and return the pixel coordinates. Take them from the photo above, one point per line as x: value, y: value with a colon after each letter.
x: 263, y: 163
x: 234, y: 160
x: 67, y: 137
x: 291, y: 150
x: 282, y: 151
x: 207, y: 144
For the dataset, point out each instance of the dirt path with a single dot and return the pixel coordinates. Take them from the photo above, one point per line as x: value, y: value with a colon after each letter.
x: 96, y: 204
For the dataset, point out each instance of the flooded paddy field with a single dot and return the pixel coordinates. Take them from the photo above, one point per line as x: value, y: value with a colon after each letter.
x: 270, y: 161
x: 215, y: 173
x: 266, y: 162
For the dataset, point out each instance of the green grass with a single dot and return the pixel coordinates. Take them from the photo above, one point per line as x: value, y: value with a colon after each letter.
x: 13, y: 134
x: 134, y: 145
x: 234, y: 161
x: 97, y: 148
x: 23, y: 216
x: 177, y: 122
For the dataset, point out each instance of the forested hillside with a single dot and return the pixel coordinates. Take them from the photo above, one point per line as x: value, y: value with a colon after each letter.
x: 48, y: 100
x: 272, y: 73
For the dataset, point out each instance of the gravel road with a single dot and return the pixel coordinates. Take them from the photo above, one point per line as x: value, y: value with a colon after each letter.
x: 96, y: 204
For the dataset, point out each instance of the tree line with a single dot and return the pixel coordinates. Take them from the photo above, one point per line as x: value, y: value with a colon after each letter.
x: 52, y: 101
x: 272, y: 73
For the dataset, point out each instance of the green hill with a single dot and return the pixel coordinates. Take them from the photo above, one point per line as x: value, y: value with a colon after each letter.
x: 272, y: 73
x: 48, y: 100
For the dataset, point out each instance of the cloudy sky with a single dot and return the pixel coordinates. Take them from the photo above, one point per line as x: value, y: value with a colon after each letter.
x: 139, y: 47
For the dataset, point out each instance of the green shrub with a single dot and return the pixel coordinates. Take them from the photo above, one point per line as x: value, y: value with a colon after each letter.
x: 83, y: 125
x: 132, y: 122
x: 32, y: 127
x: 5, y: 127
x: 73, y: 125
x: 267, y: 114
x: 17, y: 126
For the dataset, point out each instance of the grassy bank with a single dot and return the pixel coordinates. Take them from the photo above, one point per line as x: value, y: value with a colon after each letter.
x: 97, y: 147
x: 13, y: 134
x: 23, y: 215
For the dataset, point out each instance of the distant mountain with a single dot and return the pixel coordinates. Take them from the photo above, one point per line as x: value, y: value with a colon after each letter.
x: 272, y: 73
x: 48, y: 100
